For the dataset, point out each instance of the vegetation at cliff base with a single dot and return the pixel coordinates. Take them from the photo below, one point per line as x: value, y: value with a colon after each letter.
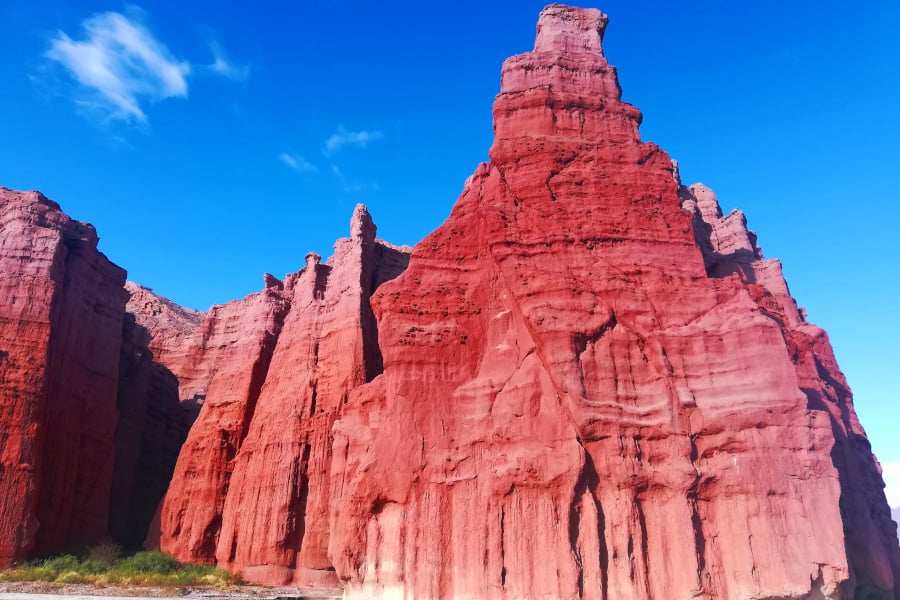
x: 103, y: 566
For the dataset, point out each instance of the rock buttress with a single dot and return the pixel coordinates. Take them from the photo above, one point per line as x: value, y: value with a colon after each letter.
x: 259, y: 455
x: 61, y: 320
x: 577, y: 402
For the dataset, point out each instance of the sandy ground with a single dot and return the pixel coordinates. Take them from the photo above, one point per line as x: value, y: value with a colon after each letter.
x: 51, y: 591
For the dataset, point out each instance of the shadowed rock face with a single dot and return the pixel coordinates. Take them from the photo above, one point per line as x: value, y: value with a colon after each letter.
x: 596, y: 387
x: 90, y: 424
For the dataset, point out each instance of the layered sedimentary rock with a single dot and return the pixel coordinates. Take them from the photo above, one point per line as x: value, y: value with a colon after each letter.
x: 61, y: 319
x: 177, y: 340
x: 153, y: 424
x: 588, y: 383
x: 251, y: 488
x: 595, y: 386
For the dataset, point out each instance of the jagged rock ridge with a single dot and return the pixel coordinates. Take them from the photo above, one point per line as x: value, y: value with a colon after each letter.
x: 100, y: 381
x: 251, y: 488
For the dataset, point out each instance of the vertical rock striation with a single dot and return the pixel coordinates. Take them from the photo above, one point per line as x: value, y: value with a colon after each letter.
x: 595, y: 386
x: 588, y: 383
x: 153, y: 425
x: 251, y: 488
x: 61, y: 322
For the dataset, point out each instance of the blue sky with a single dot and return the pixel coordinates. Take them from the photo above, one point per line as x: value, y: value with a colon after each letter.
x: 210, y: 142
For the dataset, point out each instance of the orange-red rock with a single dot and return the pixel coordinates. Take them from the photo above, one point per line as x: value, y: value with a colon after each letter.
x: 61, y: 318
x: 589, y: 383
x: 596, y: 387
x: 251, y: 490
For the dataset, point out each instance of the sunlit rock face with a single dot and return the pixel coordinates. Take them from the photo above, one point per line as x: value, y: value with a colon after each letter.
x: 595, y: 386
x: 251, y: 487
x: 588, y: 383
x: 62, y: 308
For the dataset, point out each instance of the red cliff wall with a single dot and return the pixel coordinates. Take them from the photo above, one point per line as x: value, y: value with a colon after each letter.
x: 250, y: 490
x: 61, y: 322
x: 588, y: 383
x: 593, y: 392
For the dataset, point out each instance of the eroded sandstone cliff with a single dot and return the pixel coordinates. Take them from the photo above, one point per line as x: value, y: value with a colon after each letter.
x: 587, y: 383
x: 251, y: 488
x: 596, y: 387
x: 61, y: 319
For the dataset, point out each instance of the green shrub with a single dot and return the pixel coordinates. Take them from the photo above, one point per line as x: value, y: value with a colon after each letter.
x: 93, y: 567
x: 61, y: 564
x: 141, y: 569
x: 73, y: 577
x: 154, y: 562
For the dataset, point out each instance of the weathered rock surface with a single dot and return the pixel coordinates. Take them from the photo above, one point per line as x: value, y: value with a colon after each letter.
x: 61, y: 319
x: 251, y: 488
x: 90, y: 423
x: 595, y: 386
x: 588, y: 383
x: 152, y: 427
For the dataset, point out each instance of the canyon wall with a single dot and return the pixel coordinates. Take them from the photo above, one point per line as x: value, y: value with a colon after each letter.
x: 596, y: 387
x: 251, y: 488
x: 587, y: 383
x: 61, y: 322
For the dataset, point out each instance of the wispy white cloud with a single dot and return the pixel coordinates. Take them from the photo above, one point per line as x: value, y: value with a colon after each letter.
x: 353, y: 186
x: 358, y: 139
x: 297, y: 163
x: 120, y: 64
x: 891, y: 474
x: 223, y: 66
x: 360, y: 186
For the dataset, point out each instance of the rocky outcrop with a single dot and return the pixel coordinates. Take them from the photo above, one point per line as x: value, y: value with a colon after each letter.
x: 595, y: 386
x: 174, y: 340
x: 90, y: 423
x: 871, y: 538
x: 61, y: 323
x: 251, y: 488
x: 587, y: 383
x: 152, y: 426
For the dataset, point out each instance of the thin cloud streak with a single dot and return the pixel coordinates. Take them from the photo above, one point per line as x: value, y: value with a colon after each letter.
x: 226, y: 68
x: 343, y: 138
x: 297, y: 163
x: 353, y: 186
x: 120, y: 63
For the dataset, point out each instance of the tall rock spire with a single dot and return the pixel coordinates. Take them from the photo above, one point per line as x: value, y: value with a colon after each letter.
x: 565, y: 88
x: 590, y: 393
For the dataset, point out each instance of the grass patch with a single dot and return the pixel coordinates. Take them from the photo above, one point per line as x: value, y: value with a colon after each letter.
x: 104, y: 567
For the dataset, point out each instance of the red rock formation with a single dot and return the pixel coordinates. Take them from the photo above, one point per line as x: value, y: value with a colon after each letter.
x: 152, y: 427
x: 589, y: 383
x: 241, y: 337
x: 61, y: 320
x: 90, y: 424
x: 593, y: 392
x: 870, y: 537
x: 250, y: 490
